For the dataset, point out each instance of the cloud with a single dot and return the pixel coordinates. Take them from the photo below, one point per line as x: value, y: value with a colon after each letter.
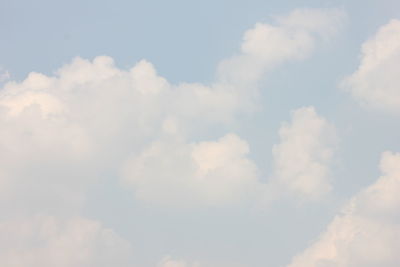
x: 90, y: 116
x: 175, y: 173
x: 61, y: 133
x: 264, y: 46
x: 167, y: 261
x: 4, y: 75
x: 291, y: 37
x: 171, y: 172
x: 302, y: 158
x: 367, y: 232
x: 375, y: 83
x: 47, y: 241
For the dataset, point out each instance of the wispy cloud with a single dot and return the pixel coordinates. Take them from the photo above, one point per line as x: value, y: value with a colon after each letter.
x: 367, y: 231
x: 375, y: 83
x: 4, y: 75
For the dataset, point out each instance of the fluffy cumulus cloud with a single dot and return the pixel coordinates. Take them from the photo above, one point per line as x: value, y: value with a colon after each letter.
x: 302, y: 159
x: 291, y: 37
x: 375, y: 83
x: 47, y: 241
x: 367, y: 232
x: 167, y: 261
x: 172, y: 172
x: 60, y: 133
x: 91, y: 114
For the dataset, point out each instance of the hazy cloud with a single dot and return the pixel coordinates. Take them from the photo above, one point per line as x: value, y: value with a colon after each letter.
x: 367, y: 232
x: 376, y: 82
x: 4, y: 75
x: 167, y: 261
x: 302, y: 159
x: 47, y: 241
x: 170, y: 172
x: 61, y: 133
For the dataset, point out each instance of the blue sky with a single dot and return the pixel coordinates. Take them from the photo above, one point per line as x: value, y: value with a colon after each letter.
x: 42, y: 35
x: 208, y: 134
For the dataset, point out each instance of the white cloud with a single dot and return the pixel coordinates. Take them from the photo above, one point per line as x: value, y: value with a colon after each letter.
x: 292, y: 37
x: 375, y: 83
x: 47, y: 103
x: 264, y: 46
x: 88, y: 117
x: 4, y: 75
x: 60, y: 133
x: 175, y: 173
x: 47, y: 241
x: 167, y: 261
x: 171, y: 172
x: 367, y: 232
x: 322, y: 22
x: 303, y: 156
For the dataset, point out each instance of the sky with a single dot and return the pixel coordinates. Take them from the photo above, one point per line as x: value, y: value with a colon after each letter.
x: 199, y: 134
